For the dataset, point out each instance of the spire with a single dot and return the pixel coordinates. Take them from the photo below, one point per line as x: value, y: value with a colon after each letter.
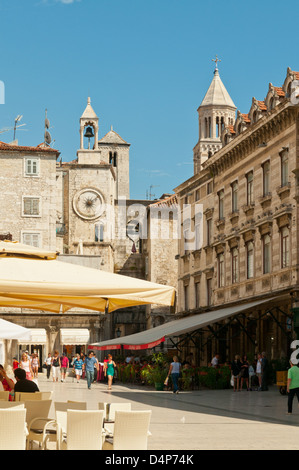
x: 217, y: 94
x: 89, y: 112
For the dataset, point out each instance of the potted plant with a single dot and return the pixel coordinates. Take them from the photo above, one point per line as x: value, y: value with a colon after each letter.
x: 156, y: 373
x: 159, y: 375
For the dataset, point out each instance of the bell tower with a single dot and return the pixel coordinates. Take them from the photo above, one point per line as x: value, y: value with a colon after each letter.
x: 215, y: 112
x: 89, y: 136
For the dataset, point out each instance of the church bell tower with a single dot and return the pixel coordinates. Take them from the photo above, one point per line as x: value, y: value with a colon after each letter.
x: 215, y: 112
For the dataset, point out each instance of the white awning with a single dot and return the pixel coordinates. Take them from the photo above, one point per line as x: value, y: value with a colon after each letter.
x: 153, y: 337
x: 70, y: 336
x: 38, y: 336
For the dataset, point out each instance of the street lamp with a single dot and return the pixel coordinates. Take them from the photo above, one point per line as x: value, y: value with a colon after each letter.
x: 118, y: 332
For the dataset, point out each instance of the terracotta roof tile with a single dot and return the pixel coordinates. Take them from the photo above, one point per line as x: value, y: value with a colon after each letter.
x: 22, y: 148
x: 231, y: 129
x: 279, y: 91
x: 262, y: 105
x: 245, y: 117
x: 167, y: 202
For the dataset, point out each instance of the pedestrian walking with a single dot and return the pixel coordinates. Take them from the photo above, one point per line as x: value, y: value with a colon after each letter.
x: 109, y: 370
x: 48, y: 362
x: 292, y: 385
x: 78, y: 366
x: 64, y: 364
x: 89, y: 364
x: 25, y: 364
x: 35, y: 365
x: 174, y: 371
x: 56, y: 366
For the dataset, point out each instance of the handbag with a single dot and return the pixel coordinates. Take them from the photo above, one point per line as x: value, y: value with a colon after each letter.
x: 232, y: 381
x: 166, y: 381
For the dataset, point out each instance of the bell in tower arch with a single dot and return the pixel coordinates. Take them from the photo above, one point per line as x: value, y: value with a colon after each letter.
x: 89, y: 134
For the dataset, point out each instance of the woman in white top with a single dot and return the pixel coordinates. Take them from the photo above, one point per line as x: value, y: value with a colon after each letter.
x: 26, y: 365
x: 174, y: 370
x: 259, y: 369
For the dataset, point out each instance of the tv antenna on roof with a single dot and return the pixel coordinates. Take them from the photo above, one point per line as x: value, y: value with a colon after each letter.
x: 15, y: 127
x: 150, y: 195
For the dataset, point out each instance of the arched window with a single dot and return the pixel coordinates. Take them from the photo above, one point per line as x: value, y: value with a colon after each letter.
x: 217, y: 127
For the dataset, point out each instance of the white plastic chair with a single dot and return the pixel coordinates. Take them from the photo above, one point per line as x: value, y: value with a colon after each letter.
x: 13, y: 429
x: 4, y: 395
x: 83, y: 430
x: 26, y: 396
x: 112, y: 408
x: 37, y: 419
x: 131, y: 431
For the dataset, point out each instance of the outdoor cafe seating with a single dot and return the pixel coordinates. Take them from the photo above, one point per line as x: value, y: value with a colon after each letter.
x: 110, y: 427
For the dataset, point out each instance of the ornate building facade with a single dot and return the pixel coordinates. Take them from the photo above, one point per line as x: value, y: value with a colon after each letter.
x: 247, y: 184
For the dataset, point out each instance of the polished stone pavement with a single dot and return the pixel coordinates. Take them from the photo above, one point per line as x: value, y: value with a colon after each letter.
x: 196, y: 420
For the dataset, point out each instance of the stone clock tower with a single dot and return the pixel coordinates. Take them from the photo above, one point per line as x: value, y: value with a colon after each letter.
x: 92, y: 186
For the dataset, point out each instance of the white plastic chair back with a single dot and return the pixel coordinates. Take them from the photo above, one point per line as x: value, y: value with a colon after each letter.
x: 64, y: 406
x: 4, y: 395
x: 84, y: 429
x: 118, y: 407
x: 12, y: 429
x: 131, y: 430
x: 61, y: 426
x: 46, y: 395
x: 12, y: 404
x: 26, y: 396
x: 37, y: 409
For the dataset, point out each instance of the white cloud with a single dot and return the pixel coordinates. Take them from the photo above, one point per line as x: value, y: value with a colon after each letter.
x: 67, y: 2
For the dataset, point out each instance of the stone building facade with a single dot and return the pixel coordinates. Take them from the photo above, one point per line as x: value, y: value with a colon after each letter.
x: 82, y: 209
x: 248, y: 192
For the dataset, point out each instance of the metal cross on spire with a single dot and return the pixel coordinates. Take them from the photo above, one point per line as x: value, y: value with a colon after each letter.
x: 216, y: 61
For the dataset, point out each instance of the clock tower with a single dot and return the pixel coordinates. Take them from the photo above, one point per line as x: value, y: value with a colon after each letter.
x: 93, y: 183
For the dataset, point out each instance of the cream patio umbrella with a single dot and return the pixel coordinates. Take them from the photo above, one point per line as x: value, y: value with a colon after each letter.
x: 34, y: 278
x: 9, y: 330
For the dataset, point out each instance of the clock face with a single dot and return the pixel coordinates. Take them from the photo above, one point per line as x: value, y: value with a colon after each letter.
x: 88, y: 204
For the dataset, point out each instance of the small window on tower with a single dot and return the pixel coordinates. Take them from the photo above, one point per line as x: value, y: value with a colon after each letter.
x: 113, y: 158
x: 99, y: 233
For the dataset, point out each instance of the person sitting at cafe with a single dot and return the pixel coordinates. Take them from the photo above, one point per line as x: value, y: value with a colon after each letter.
x: 22, y: 384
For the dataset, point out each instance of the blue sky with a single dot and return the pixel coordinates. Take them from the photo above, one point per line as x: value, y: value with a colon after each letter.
x: 146, y: 66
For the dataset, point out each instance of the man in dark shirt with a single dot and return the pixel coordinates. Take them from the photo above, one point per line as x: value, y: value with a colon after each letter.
x: 22, y: 384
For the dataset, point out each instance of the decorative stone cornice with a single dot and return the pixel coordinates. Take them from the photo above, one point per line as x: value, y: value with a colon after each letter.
x: 255, y: 136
